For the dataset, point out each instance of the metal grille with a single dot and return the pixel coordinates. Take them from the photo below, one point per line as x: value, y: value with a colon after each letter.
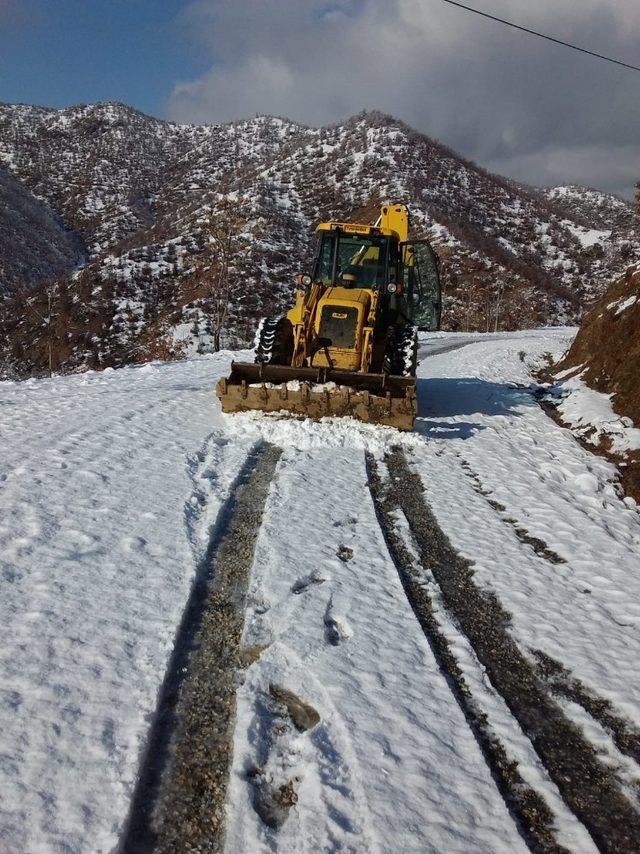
x: 338, y: 326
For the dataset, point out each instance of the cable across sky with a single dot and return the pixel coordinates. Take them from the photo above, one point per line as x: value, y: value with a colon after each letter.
x: 542, y: 35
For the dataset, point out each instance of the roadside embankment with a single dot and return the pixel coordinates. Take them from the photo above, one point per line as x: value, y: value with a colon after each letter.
x: 597, y: 383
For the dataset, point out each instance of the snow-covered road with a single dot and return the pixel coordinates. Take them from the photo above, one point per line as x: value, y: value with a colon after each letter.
x: 108, y: 482
x: 110, y: 485
x: 384, y: 768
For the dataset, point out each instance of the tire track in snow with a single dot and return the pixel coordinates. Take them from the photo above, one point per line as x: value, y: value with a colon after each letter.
x: 588, y: 787
x: 529, y: 811
x: 538, y: 545
x: 562, y: 683
x: 178, y: 803
x: 615, y: 737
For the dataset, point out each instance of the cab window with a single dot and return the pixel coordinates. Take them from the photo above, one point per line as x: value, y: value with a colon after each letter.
x: 361, y: 260
x: 422, y: 285
x: 324, y: 262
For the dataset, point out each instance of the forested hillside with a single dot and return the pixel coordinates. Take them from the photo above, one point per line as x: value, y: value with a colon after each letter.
x: 120, y: 227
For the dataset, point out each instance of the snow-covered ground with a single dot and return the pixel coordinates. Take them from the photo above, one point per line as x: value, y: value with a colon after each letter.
x: 109, y: 488
x: 591, y: 415
x: 385, y: 769
x: 108, y: 482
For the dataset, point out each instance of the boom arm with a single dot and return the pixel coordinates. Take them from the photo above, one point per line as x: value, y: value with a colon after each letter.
x: 395, y: 218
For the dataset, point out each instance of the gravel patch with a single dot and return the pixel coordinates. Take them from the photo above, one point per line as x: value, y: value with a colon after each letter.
x: 180, y: 803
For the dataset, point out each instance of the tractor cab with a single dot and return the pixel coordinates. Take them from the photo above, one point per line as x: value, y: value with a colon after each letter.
x: 351, y: 260
x: 404, y: 274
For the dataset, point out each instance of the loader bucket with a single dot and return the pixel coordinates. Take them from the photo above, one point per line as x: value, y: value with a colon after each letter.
x: 319, y: 392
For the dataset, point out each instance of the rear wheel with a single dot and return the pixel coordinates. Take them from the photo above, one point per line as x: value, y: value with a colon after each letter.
x: 274, y: 341
x: 401, y: 354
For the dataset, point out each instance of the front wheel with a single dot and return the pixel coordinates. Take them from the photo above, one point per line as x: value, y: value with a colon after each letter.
x: 401, y: 353
x: 274, y: 341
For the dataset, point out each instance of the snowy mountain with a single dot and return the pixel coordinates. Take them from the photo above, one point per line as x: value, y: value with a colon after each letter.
x: 35, y: 244
x: 143, y: 195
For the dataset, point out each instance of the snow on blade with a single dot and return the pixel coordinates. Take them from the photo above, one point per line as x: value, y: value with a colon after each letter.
x: 305, y: 433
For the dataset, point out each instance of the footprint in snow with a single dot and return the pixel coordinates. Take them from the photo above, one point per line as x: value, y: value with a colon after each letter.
x: 275, y: 780
x: 307, y: 581
x: 133, y: 545
x: 350, y: 520
x: 336, y: 628
x: 260, y: 604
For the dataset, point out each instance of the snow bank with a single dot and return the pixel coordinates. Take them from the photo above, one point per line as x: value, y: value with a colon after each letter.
x: 591, y: 415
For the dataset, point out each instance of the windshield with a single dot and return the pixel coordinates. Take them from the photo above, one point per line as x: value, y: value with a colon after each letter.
x: 361, y: 262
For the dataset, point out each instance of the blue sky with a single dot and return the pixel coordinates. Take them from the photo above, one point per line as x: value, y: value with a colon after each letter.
x: 61, y: 52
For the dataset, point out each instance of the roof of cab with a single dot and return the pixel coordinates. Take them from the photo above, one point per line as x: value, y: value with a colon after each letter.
x: 356, y: 228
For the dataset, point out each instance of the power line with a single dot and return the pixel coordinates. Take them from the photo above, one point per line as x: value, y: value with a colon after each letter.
x: 541, y: 35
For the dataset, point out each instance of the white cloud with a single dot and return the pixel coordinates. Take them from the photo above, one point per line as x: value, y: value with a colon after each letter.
x: 498, y: 96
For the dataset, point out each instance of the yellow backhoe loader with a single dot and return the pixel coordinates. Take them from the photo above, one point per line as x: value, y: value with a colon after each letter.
x: 349, y: 345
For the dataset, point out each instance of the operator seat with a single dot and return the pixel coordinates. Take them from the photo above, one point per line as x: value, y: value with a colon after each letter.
x: 350, y: 276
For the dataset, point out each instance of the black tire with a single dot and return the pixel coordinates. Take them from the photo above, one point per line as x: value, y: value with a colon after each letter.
x: 274, y: 341
x: 401, y: 352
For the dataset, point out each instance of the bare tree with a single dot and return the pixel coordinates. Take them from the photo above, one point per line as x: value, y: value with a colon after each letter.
x: 499, y: 294
x: 471, y: 283
x: 219, y: 267
x: 487, y: 306
x: 41, y: 311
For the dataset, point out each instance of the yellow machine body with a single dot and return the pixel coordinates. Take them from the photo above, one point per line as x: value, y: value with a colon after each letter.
x: 330, y: 345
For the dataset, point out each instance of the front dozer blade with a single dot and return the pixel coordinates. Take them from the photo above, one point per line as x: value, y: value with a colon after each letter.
x: 319, y: 392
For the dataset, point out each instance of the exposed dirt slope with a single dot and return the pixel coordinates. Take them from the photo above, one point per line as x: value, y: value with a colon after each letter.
x: 608, y: 344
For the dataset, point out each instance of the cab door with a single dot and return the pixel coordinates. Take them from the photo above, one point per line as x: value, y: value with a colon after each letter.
x: 421, y: 284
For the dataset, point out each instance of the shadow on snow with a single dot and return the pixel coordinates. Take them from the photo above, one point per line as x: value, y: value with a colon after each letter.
x: 456, y: 397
